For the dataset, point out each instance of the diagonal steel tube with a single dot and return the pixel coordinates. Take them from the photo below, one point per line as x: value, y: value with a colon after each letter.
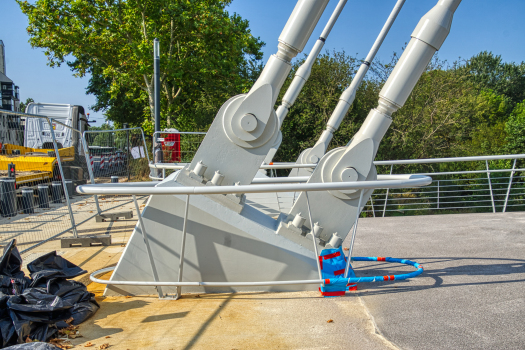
x: 183, y: 244
x: 148, y: 248
x: 353, y: 234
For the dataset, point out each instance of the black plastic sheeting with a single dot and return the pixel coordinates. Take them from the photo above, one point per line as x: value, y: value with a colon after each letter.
x: 37, y: 306
x: 33, y: 346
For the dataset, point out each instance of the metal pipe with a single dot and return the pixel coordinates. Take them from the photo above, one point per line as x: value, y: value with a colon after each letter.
x: 276, y: 180
x: 510, y: 185
x: 313, y: 238
x: 347, y: 98
x: 91, y: 171
x: 303, y: 73
x: 66, y: 194
x: 265, y: 283
x: 183, y: 244
x: 490, y: 187
x: 116, y: 189
x: 438, y: 194
x: 148, y: 248
x: 448, y: 160
x: 387, y: 191
x: 353, y: 235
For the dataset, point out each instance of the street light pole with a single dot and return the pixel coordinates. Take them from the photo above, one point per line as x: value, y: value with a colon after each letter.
x: 156, y: 64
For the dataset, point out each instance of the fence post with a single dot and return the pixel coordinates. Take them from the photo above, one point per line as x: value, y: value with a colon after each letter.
x: 438, y: 194
x: 372, y: 204
x: 387, y: 191
x: 490, y: 187
x: 66, y: 194
x: 510, y: 185
x: 90, y: 169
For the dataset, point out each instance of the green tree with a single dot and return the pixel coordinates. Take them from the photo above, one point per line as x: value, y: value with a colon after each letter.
x: 23, y: 105
x: 307, y: 118
x: 515, y: 128
x: 490, y: 72
x: 204, y: 50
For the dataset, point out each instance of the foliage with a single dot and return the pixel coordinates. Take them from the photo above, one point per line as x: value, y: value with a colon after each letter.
x: 453, y: 110
x: 515, y: 128
x: 490, y: 72
x: 23, y: 105
x: 306, y: 120
x: 205, y: 53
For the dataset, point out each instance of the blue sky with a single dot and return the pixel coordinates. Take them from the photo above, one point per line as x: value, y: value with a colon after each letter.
x: 491, y: 25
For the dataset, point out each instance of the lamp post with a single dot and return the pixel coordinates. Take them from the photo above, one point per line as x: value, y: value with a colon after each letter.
x: 156, y: 71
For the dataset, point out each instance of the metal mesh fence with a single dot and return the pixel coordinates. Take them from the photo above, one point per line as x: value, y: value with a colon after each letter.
x: 179, y: 147
x: 176, y: 147
x: 38, y: 177
x: 118, y: 154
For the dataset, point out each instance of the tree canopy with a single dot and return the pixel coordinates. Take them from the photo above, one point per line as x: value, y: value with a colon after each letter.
x: 461, y: 109
x: 205, y: 53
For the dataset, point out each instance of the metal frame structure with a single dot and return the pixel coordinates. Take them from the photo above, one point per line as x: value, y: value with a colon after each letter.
x: 394, y: 181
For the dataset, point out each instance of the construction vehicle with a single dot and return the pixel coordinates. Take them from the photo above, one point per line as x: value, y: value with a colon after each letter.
x: 27, y: 146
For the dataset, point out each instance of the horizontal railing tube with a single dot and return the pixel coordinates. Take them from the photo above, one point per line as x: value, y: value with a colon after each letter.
x: 396, y: 182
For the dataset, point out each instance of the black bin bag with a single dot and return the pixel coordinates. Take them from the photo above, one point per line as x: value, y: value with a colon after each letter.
x: 51, y: 266
x: 37, y: 307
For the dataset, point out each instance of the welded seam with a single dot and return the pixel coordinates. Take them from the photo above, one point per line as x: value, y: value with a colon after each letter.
x: 377, y: 331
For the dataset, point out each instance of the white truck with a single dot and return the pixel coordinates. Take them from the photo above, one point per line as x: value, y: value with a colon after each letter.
x: 37, y: 133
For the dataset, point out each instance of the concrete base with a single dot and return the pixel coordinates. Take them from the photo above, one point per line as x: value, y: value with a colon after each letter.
x: 221, y: 245
x: 114, y: 216
x: 86, y: 241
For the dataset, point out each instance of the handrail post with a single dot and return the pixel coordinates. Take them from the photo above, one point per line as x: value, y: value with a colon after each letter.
x: 510, y: 185
x: 148, y: 248
x: 372, y: 205
x: 353, y: 234
x: 387, y: 191
x: 183, y: 244
x: 490, y: 187
x: 438, y: 194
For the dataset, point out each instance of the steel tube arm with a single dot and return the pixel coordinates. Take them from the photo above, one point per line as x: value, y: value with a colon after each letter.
x: 303, y: 73
x: 348, y: 96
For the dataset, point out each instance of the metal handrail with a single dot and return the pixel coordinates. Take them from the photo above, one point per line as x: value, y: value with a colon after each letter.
x: 449, y: 160
x: 398, y: 181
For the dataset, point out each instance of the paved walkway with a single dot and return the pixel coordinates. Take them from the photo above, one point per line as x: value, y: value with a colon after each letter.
x: 471, y: 296
x: 472, y: 293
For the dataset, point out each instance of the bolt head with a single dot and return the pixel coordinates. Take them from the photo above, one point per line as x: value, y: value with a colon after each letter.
x: 248, y: 122
x: 349, y: 175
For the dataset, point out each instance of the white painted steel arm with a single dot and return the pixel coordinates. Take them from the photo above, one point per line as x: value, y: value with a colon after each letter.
x: 303, y: 73
x: 348, y: 96
x: 384, y: 181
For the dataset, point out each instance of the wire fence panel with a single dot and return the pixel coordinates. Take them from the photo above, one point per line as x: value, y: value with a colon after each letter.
x: 38, y: 177
x: 458, y: 187
x: 120, y: 154
x: 176, y: 147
